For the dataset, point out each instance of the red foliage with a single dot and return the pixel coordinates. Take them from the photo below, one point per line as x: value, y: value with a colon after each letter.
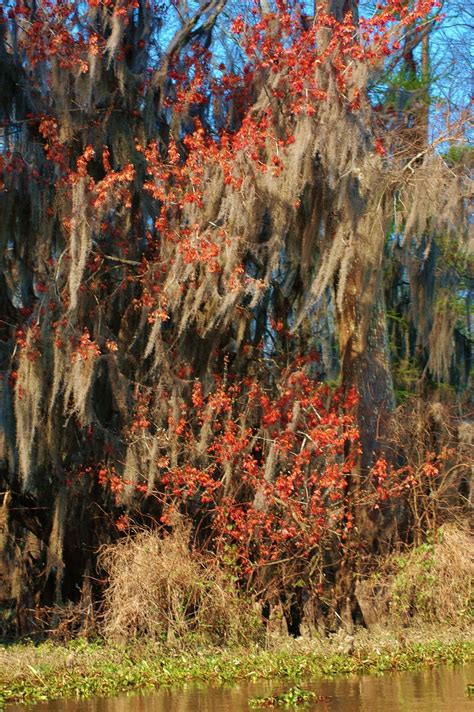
x: 272, y: 477
x: 267, y: 463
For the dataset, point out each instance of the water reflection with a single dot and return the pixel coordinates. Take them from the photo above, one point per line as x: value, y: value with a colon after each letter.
x: 432, y: 690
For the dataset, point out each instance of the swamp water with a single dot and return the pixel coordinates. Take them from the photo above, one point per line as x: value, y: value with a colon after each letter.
x: 440, y: 689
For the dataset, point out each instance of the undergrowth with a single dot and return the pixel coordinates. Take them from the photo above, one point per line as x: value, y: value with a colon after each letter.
x: 430, y: 583
x: 161, y: 590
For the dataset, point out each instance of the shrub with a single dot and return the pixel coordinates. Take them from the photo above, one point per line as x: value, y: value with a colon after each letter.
x: 430, y: 583
x: 158, y: 588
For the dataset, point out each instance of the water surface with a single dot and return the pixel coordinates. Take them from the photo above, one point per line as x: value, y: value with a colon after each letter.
x: 441, y: 689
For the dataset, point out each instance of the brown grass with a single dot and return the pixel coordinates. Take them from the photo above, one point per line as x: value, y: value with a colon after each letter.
x: 157, y: 588
x: 431, y: 583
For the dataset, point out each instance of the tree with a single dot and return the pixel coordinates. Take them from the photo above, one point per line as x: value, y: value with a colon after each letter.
x: 187, y: 223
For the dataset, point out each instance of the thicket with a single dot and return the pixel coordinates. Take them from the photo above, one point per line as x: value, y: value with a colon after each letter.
x: 235, y: 289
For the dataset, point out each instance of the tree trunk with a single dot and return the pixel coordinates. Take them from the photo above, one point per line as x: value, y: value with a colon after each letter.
x: 365, y: 366
x: 363, y: 342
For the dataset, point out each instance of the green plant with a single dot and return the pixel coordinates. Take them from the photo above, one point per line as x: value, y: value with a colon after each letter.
x: 294, y: 697
x: 33, y: 673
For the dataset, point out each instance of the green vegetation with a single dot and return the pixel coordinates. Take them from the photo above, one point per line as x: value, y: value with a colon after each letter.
x: 295, y: 696
x: 457, y: 153
x: 419, y: 597
x: 430, y: 583
x: 30, y: 673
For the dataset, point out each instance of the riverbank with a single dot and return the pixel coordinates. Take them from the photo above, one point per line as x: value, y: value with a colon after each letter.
x: 30, y: 673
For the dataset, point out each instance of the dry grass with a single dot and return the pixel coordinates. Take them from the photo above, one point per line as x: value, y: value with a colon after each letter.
x: 159, y: 590
x: 431, y: 583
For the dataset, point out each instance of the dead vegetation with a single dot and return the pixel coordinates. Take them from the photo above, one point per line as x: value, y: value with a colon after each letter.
x: 427, y: 584
x: 157, y: 588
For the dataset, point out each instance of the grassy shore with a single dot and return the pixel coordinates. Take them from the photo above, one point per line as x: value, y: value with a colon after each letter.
x: 30, y: 673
